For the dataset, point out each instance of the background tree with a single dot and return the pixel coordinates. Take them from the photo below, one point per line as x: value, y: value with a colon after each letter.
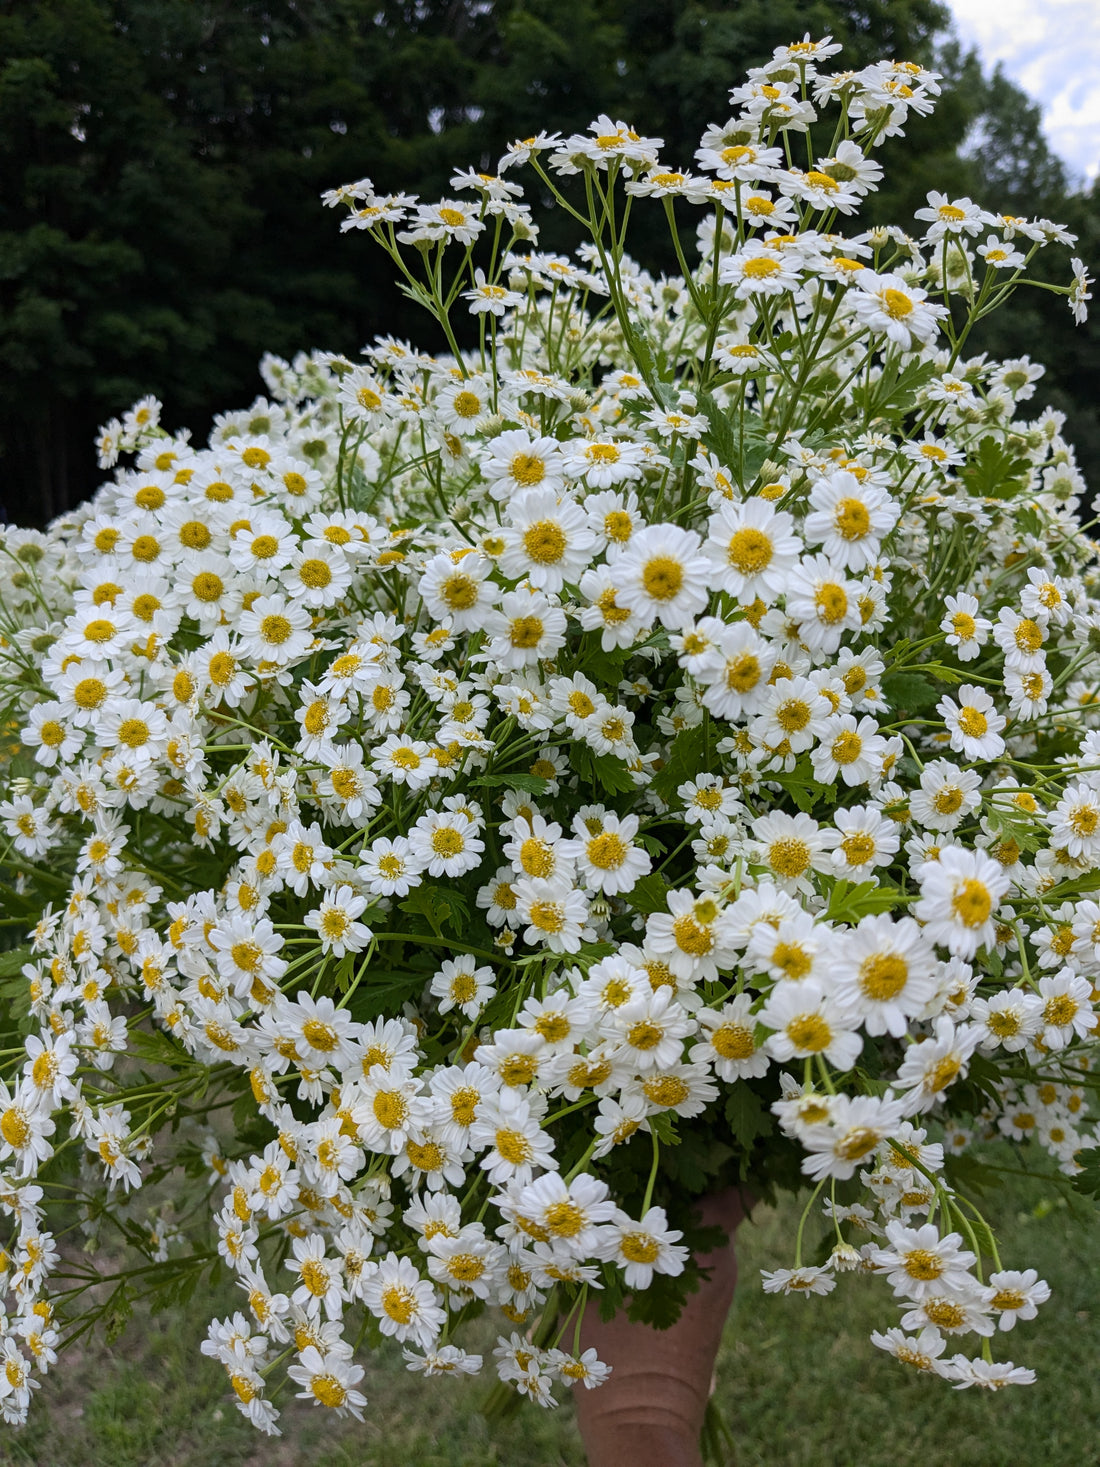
x: 161, y: 163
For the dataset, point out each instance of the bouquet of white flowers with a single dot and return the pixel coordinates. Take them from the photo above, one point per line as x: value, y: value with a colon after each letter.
x: 479, y: 804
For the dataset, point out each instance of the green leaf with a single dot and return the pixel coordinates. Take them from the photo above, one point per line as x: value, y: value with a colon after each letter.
x: 157, y: 1048
x: 848, y: 902
x: 1029, y: 521
x: 604, y: 667
x: 663, y: 1126
x: 652, y: 369
x: 1013, y: 824
x: 909, y: 691
x: 895, y: 390
x: 650, y: 894
x: 746, y: 1116
x: 11, y: 962
x: 438, y: 906
x: 529, y: 784
x: 608, y: 774
x: 807, y: 793
x: 743, y: 451
x: 688, y: 757
x: 1087, y: 1180
x: 994, y: 472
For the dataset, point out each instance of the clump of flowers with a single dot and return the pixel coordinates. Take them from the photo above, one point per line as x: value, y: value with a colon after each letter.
x: 480, y: 803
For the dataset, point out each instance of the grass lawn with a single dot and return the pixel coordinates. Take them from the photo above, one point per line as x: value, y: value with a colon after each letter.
x: 799, y: 1384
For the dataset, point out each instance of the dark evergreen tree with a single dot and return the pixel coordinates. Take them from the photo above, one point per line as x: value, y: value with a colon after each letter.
x: 161, y: 163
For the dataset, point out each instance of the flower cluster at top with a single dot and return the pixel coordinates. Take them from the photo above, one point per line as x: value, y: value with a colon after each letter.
x: 670, y: 721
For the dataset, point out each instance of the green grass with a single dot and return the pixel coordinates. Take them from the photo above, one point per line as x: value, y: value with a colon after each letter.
x: 799, y: 1385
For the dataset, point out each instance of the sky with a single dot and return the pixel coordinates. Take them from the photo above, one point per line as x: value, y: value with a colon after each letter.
x: 1051, y: 48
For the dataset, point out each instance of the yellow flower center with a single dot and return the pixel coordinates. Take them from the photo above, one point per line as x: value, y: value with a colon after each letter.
x: 547, y: 916
x: 852, y: 519
x: 733, y: 1041
x: 858, y: 849
x: 544, y: 542
x: 639, y: 1248
x: 831, y: 602
x: 761, y: 268
x: 525, y: 632
x: 513, y: 1147
x: 847, y: 747
x: 15, y: 1128
x: 447, y: 842
x: 743, y: 673
x: 390, y: 1109
x: 691, y: 937
x: 275, y: 629
x: 789, y: 857
x: 749, y: 551
x: 663, y: 578
x: 518, y: 1069
x: 527, y: 469
x: 947, y: 799
x: 882, y: 976
x: 896, y: 304
x: 90, y: 692
x: 923, y: 1265
x: 426, y: 1158
x: 971, y: 902
x: 809, y: 1033
x: 607, y: 852
x: 857, y: 1143
x: 316, y: 574
x: 1060, y: 1009
x: 666, y: 1090
x: 467, y: 404
x: 618, y: 526
x: 464, y: 1105
x: 973, y: 722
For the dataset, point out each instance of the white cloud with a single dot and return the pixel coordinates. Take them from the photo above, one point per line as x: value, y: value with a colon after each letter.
x: 1051, y: 48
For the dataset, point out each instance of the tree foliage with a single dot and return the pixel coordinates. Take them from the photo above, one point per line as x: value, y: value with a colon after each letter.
x: 161, y: 161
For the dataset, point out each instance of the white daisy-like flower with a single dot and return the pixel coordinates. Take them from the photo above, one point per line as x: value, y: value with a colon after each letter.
x: 662, y: 576
x: 823, y: 602
x: 643, y: 1248
x: 405, y: 1304
x: 335, y: 922
x: 727, y: 1041
x: 389, y: 867
x: 960, y: 892
x: 527, y: 628
x: 548, y: 539
x: 461, y: 984
x: 445, y: 843
x: 849, y: 519
x: 920, y: 1352
x: 885, y: 972
x: 1013, y: 1294
x: 604, y: 849
x: 973, y: 722
x: 604, y: 462
x: 752, y: 548
x: 806, y: 1021
x: 918, y: 1261
x: 518, y: 460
